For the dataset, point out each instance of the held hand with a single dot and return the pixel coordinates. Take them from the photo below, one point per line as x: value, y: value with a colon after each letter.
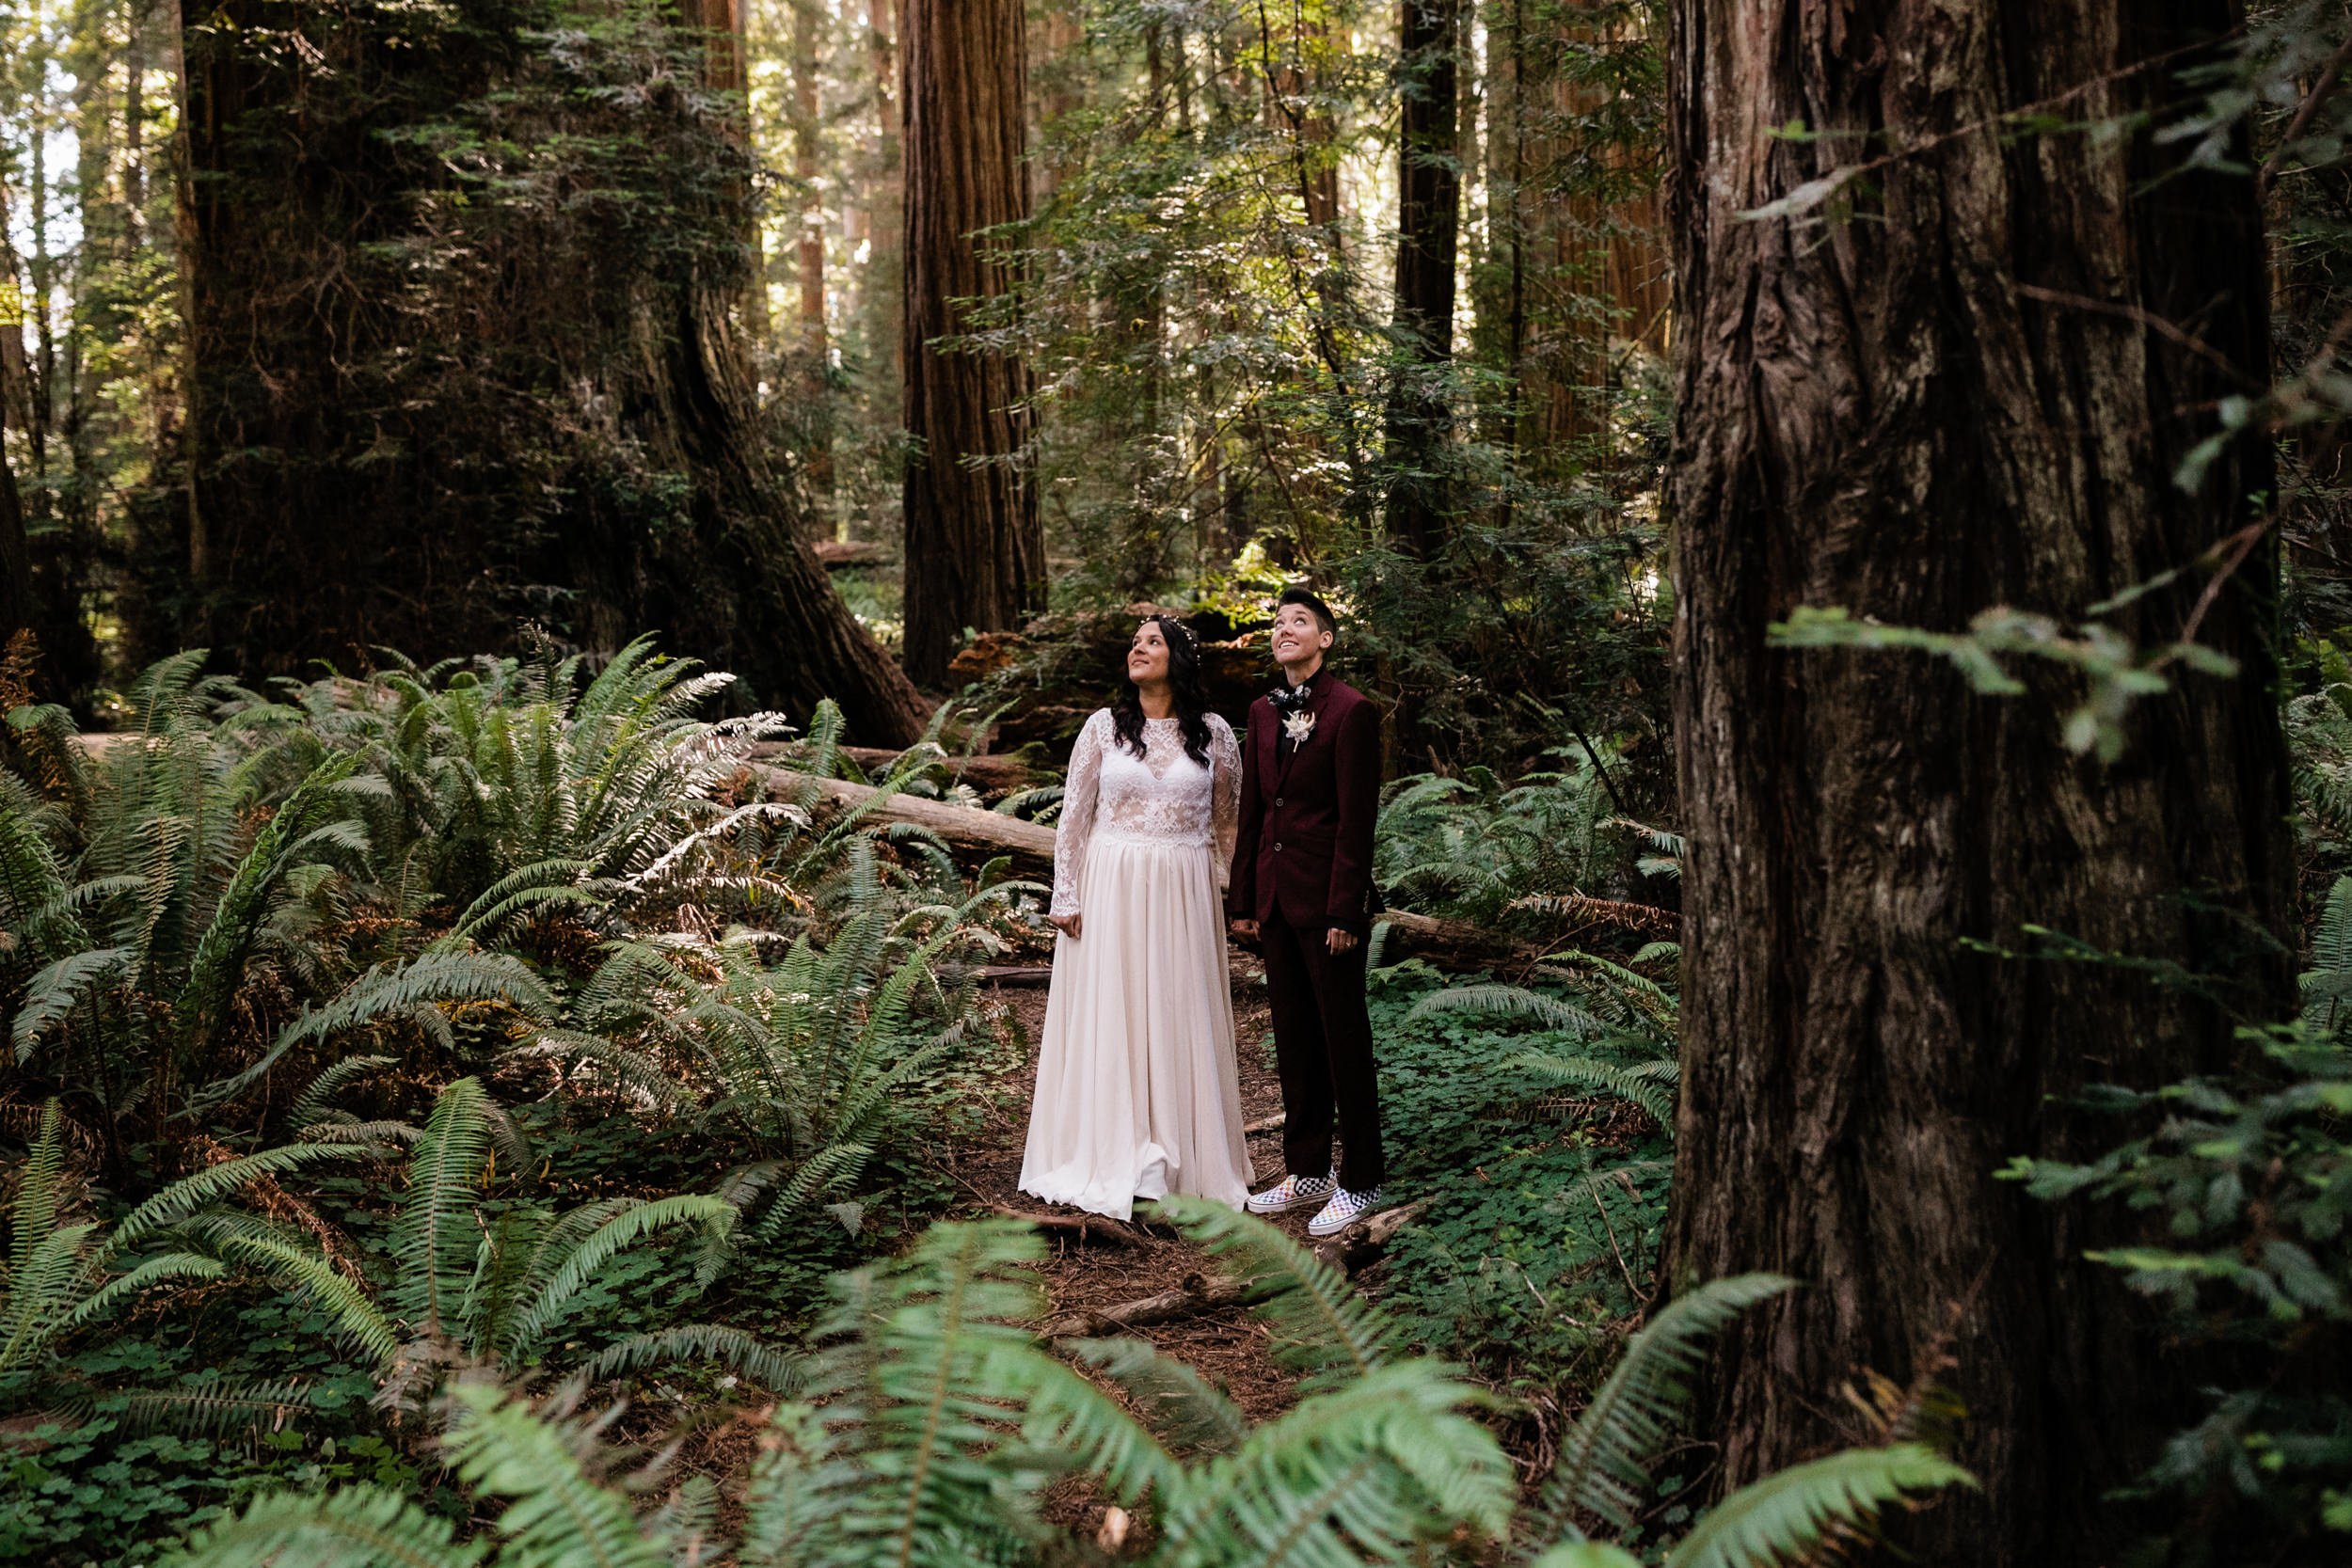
x: 1066, y: 924
x: 1246, y: 929
x: 1338, y: 941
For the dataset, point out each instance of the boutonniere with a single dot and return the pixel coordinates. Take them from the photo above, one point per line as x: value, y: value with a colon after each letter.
x: 1298, y: 726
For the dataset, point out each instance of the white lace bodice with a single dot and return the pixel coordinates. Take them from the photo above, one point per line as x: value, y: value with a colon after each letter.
x: 1163, y: 796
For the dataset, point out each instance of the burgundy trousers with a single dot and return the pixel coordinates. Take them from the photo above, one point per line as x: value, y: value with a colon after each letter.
x: 1322, y: 1050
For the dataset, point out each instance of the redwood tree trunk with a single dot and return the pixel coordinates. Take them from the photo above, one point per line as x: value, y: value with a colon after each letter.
x: 16, y: 562
x: 375, y: 457
x: 1946, y: 404
x: 975, y: 545
x: 1429, y: 193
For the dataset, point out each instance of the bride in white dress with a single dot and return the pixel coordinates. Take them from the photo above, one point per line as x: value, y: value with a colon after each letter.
x: 1136, y: 1095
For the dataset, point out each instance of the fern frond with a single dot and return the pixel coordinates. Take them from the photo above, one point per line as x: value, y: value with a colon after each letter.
x: 150, y: 1272
x: 1510, y: 1003
x: 625, y: 1229
x: 433, y: 979
x: 532, y: 887
x: 215, y: 1405
x: 558, y: 1517
x: 1190, y: 1416
x: 745, y: 1355
x: 189, y: 1194
x: 1786, y: 1516
x: 1331, y: 1330
x: 1647, y: 1086
x: 1374, y: 1470
x: 356, y: 1527
x: 1603, y: 1459
x: 350, y: 1312
x: 34, y: 1214
x: 432, y: 1241
x: 57, y: 989
x: 310, y: 1105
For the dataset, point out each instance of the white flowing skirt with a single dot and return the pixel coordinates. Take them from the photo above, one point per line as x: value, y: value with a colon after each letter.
x: 1136, y: 1092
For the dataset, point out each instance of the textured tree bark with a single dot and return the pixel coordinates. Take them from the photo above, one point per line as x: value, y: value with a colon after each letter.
x: 886, y: 199
x: 1876, y: 413
x: 975, y: 544
x: 1429, y: 201
x: 356, y: 442
x: 807, y: 123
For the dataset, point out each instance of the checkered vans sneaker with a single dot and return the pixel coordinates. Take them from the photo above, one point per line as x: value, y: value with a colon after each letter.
x: 1345, y: 1210
x: 1293, y: 1192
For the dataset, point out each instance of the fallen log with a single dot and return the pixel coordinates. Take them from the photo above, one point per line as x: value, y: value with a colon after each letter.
x: 986, y: 832
x: 998, y: 975
x: 1086, y: 1227
x: 1364, y: 1241
x: 991, y: 775
x: 1268, y: 1124
x: 1199, y: 1293
x: 838, y: 555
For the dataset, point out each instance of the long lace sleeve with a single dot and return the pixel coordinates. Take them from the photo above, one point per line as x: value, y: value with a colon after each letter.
x: 1080, y: 787
x: 1224, y: 798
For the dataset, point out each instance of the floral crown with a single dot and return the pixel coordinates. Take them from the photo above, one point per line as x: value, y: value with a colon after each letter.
x: 1192, y: 638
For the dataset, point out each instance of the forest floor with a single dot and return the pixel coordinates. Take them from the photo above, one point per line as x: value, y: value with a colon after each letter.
x: 1226, y: 1345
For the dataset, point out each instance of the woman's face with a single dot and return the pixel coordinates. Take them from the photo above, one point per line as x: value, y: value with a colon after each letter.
x: 1147, y: 659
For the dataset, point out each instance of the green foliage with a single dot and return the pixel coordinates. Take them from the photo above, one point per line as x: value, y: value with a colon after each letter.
x: 938, y: 1419
x: 513, y: 787
x: 184, y: 898
x: 489, y: 1286
x: 1603, y: 1466
x: 1610, y: 1005
x: 1786, y: 1518
x: 1543, y: 1204
x: 64, y: 1276
x: 1504, y: 855
x: 2114, y: 670
x: 2253, y: 1180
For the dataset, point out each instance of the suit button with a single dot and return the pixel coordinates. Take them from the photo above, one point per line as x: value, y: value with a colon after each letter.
x: 1277, y: 799
x: 1277, y: 847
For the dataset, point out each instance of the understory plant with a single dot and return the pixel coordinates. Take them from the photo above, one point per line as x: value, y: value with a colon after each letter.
x: 937, y: 1418
x: 2253, y: 1180
x: 66, y: 1274
x: 1628, y: 1020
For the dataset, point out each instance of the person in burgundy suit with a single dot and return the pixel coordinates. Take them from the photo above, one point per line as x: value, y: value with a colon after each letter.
x: 1301, y: 887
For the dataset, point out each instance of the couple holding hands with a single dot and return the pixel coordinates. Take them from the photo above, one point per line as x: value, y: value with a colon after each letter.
x: 1171, y: 833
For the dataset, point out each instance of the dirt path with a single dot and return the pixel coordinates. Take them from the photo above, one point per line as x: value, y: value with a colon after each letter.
x: 1228, y: 1346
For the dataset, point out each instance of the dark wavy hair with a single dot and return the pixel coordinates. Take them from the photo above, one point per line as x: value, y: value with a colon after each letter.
x: 1184, y: 683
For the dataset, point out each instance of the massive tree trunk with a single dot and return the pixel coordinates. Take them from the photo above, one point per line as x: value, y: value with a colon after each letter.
x: 1956, y: 396
x: 551, y: 420
x: 1429, y: 199
x: 975, y: 544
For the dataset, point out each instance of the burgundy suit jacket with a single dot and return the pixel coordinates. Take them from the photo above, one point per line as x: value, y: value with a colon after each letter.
x: 1305, y: 840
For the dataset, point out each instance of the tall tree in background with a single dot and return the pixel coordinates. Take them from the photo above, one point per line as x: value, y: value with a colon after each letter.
x: 807, y: 131
x: 413, y: 416
x: 975, y: 544
x: 17, y: 600
x: 1974, y: 393
x: 1429, y: 202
